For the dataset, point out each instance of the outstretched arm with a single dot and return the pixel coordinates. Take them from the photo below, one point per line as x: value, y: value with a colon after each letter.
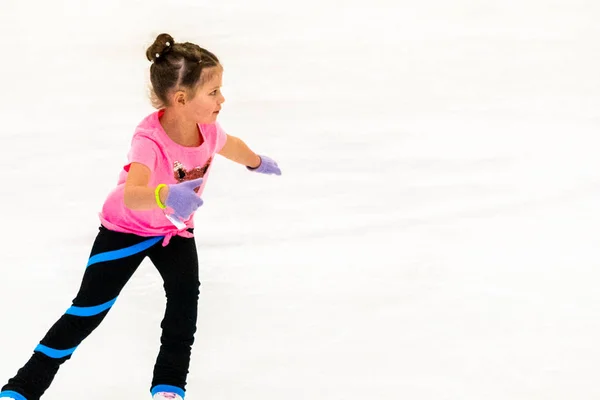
x: 236, y: 150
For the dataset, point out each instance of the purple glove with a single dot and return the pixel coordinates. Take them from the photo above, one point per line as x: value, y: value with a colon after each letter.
x: 183, y: 199
x: 267, y: 166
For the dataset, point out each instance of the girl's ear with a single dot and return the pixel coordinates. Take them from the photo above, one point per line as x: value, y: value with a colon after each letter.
x: 179, y: 98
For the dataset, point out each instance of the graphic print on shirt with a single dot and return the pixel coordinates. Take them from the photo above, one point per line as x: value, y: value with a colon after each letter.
x: 182, y: 174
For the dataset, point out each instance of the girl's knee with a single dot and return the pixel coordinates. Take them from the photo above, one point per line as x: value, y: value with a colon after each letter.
x: 183, y: 290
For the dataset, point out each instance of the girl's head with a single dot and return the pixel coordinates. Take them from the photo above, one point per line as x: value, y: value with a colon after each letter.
x: 186, y: 77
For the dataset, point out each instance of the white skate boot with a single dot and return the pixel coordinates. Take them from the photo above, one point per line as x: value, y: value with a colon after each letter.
x: 163, y: 396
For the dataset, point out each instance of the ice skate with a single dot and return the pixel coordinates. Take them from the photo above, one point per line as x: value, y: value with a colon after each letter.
x: 162, y: 396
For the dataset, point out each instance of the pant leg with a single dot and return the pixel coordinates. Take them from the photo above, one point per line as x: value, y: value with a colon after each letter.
x: 177, y: 263
x: 114, y: 258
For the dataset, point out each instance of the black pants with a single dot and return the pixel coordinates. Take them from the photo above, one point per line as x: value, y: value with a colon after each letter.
x: 114, y: 258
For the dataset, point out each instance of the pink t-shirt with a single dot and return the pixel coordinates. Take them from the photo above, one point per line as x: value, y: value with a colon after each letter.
x: 169, y: 163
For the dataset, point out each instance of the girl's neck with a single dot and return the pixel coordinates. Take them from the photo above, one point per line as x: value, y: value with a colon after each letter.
x: 181, y: 131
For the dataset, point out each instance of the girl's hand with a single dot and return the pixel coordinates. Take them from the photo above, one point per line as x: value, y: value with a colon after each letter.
x: 267, y: 166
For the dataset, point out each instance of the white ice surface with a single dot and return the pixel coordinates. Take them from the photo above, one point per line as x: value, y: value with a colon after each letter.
x: 435, y: 233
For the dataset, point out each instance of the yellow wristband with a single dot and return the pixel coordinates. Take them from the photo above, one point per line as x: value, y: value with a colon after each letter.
x: 157, y: 195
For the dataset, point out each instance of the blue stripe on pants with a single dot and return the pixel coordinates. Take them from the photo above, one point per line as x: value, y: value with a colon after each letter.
x: 122, y: 253
x: 53, y: 353
x: 90, y: 311
x: 14, y: 395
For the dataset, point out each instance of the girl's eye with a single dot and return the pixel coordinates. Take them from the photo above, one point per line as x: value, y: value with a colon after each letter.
x: 213, y: 93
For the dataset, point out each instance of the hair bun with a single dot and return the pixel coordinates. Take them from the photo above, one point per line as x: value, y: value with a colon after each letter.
x: 161, y: 46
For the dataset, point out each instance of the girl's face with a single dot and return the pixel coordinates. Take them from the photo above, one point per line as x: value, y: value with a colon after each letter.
x: 206, y: 104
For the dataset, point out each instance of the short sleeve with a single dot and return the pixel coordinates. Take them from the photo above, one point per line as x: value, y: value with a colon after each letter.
x: 143, y: 151
x: 221, y: 138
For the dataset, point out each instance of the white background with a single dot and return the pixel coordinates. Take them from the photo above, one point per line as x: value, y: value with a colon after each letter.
x: 434, y: 234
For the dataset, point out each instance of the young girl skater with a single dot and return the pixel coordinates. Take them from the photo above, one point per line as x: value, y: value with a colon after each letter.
x: 150, y: 214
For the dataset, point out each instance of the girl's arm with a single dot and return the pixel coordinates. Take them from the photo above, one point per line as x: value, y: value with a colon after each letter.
x: 138, y: 196
x: 236, y: 150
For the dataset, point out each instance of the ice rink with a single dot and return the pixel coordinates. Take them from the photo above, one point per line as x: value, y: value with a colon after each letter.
x: 435, y: 234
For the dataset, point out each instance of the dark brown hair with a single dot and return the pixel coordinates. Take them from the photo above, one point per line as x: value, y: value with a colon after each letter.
x: 177, y: 66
